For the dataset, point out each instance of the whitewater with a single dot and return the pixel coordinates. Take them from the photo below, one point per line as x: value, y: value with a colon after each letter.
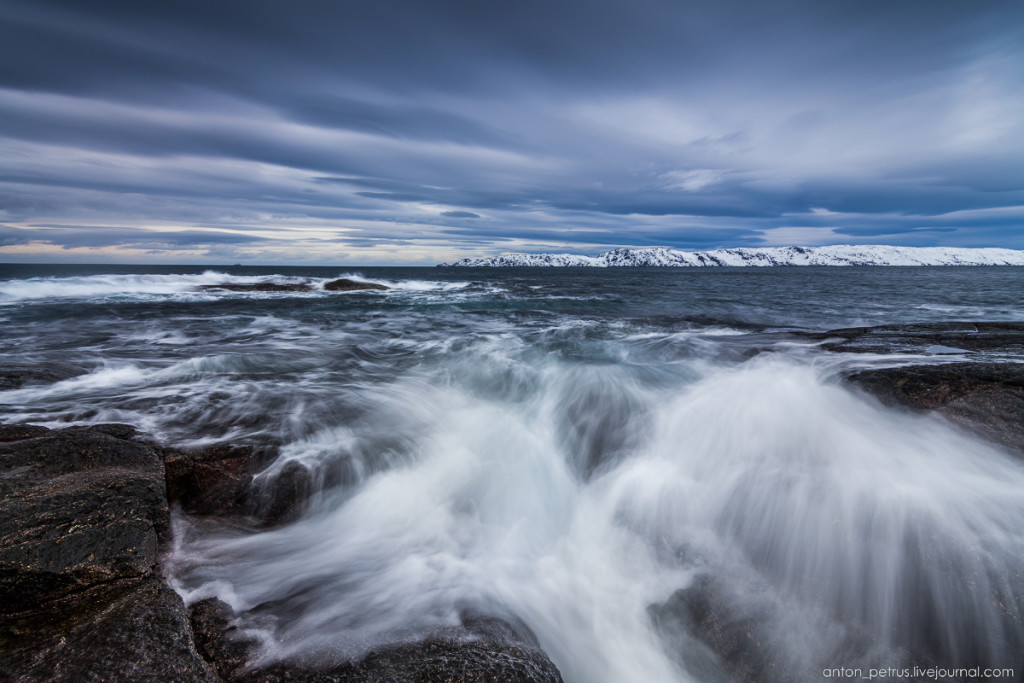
x: 599, y: 456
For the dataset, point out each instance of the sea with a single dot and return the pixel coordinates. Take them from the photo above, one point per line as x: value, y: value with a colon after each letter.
x: 577, y: 450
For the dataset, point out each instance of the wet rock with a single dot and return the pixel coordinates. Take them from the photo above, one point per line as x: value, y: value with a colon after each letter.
x: 482, y: 649
x: 140, y: 633
x: 17, y: 376
x: 21, y: 432
x: 939, y: 338
x: 218, y: 640
x: 83, y: 512
x: 714, y: 642
x: 260, y: 287
x: 80, y: 507
x: 212, y: 480
x: 725, y: 630
x: 346, y: 285
x: 450, y: 657
x: 986, y: 398
x: 283, y: 498
x: 220, y: 480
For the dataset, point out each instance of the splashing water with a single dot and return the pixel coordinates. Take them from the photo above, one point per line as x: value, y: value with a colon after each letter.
x: 579, y: 505
x: 648, y: 470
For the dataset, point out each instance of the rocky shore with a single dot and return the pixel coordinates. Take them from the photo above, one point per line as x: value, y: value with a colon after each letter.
x: 85, y: 522
x: 979, y: 391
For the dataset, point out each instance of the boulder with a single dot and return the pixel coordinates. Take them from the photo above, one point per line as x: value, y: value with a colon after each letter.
x: 219, y: 480
x: 83, y: 513
x: 346, y: 285
x: 212, y: 480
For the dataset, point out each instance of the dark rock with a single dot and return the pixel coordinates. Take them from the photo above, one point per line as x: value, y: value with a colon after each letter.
x: 346, y: 285
x: 260, y: 287
x: 482, y: 649
x: 46, y: 455
x: 212, y: 480
x: 20, y: 432
x: 141, y: 633
x: 15, y: 376
x: 79, y: 507
x: 1007, y: 337
x: 83, y: 531
x: 987, y: 398
x: 83, y: 512
x: 714, y: 642
x: 218, y: 641
x: 452, y: 656
x: 220, y: 481
x: 282, y: 499
x: 725, y: 630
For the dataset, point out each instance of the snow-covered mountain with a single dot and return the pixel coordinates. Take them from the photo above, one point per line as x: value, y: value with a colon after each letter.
x: 838, y: 255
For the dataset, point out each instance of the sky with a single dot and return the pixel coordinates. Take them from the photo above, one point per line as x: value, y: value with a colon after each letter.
x: 383, y: 132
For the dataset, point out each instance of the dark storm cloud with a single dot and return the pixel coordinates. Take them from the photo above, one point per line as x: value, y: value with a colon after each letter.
x: 587, y: 124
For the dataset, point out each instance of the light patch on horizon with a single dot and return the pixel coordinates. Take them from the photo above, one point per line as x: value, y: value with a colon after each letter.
x: 296, y: 253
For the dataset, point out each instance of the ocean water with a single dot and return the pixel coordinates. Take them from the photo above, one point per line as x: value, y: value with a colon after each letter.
x: 567, y: 447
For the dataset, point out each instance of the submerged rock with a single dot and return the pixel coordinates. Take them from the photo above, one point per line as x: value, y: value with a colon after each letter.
x: 17, y: 376
x: 261, y: 287
x: 83, y: 512
x: 716, y: 643
x: 482, y: 649
x: 346, y: 285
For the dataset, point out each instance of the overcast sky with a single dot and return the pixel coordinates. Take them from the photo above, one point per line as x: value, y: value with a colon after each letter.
x: 383, y: 132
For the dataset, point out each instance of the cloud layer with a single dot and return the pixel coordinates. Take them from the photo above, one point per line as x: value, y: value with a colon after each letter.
x: 412, y: 132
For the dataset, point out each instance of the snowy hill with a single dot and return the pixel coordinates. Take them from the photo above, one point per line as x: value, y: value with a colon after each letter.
x: 839, y: 255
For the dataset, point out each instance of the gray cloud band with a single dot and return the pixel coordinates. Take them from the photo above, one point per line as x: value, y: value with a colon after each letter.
x: 651, y: 123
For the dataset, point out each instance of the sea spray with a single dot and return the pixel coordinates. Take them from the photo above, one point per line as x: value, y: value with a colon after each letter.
x: 863, y: 532
x: 658, y: 473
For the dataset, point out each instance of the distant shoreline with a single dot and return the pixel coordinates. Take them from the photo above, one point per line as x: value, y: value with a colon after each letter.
x: 837, y: 255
